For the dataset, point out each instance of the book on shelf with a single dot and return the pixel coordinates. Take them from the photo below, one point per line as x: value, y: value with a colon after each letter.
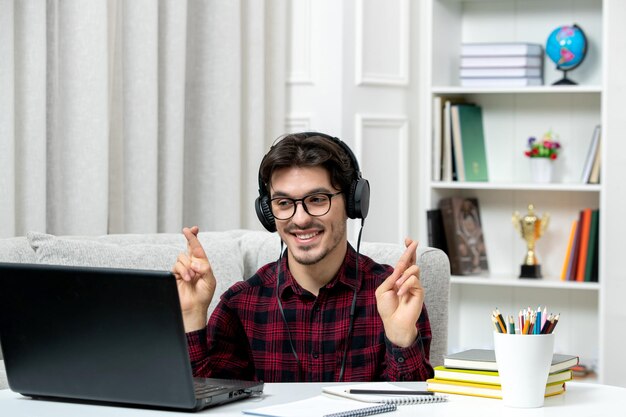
x: 457, y: 146
x: 501, y: 49
x: 591, y: 155
x: 464, y: 235
x: 436, y: 232
x: 489, y: 377
x: 485, y: 360
x: 502, y: 82
x: 568, y: 253
x: 469, y: 142
x: 481, y: 390
x: 572, y: 262
x: 519, y: 61
x: 437, y: 134
x: 500, y: 72
x: 594, y: 177
x: 585, y: 227
x: 591, y: 266
x: 448, y: 169
x: 581, y: 257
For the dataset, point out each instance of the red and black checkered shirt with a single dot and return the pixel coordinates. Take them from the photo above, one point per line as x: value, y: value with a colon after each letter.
x: 246, y: 336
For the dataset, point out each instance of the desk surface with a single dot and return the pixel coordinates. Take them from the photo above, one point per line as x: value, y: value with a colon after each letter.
x: 580, y: 399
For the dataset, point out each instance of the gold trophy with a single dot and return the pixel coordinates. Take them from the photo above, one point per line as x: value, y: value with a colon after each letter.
x: 531, y: 228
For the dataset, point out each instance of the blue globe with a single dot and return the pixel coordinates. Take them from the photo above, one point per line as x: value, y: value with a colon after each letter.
x: 567, y: 47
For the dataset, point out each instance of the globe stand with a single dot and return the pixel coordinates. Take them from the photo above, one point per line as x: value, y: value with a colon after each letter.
x: 564, y: 80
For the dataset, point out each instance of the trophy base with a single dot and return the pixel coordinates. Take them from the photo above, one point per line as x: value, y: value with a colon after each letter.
x: 530, y: 271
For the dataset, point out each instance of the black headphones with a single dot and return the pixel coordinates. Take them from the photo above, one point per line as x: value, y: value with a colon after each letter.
x: 357, y: 198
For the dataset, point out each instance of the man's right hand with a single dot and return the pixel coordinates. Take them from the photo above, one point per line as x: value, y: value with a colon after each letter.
x: 195, y: 280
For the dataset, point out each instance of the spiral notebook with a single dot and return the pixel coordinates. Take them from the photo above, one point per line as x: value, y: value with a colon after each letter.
x: 396, y: 398
x: 335, y: 401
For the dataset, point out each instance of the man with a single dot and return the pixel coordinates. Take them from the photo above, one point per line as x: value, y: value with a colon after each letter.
x: 322, y: 312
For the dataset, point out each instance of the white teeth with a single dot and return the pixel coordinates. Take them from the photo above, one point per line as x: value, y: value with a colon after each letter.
x: 307, y: 236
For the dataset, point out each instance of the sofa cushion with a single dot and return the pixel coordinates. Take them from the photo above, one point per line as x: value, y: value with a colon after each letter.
x: 128, y: 252
x: 16, y: 249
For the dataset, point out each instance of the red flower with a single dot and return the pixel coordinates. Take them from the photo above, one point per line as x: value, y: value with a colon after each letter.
x: 553, y: 156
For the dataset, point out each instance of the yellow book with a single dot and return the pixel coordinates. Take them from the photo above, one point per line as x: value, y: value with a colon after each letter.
x: 481, y: 390
x: 489, y: 377
x: 570, y: 243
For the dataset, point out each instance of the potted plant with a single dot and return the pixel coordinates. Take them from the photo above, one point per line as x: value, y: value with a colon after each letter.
x: 542, y: 154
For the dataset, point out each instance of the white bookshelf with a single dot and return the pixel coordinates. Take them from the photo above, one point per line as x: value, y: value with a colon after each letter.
x: 510, y: 116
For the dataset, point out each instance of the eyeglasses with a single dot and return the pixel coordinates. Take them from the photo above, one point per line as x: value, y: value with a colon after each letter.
x: 316, y: 205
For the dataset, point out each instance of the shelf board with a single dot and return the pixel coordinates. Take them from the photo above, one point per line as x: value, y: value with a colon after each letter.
x: 508, y: 186
x: 528, y: 283
x: 544, y: 89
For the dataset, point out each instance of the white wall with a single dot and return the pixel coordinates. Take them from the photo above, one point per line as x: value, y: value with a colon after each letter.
x: 350, y: 75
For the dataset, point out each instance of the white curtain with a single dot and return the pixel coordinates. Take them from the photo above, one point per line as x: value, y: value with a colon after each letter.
x: 136, y: 116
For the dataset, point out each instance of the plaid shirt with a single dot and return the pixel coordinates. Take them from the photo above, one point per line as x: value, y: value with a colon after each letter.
x: 246, y: 337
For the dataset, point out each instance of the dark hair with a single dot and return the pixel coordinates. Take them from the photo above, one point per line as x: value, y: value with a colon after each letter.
x: 300, y: 150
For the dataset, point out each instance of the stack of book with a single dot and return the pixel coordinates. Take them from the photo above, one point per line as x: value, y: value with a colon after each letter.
x: 581, y: 258
x: 474, y: 372
x: 501, y: 64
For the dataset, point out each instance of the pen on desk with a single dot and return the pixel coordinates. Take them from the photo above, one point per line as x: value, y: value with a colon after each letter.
x: 388, y: 392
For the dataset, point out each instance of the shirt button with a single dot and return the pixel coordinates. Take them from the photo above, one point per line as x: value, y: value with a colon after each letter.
x: 315, y: 355
x: 400, y: 359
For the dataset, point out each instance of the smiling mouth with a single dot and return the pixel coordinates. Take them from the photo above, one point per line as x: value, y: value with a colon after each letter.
x: 306, y: 236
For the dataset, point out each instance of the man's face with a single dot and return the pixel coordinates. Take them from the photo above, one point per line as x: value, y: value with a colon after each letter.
x: 310, y: 239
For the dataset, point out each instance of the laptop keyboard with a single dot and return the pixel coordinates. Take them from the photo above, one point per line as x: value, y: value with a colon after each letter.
x: 204, y: 390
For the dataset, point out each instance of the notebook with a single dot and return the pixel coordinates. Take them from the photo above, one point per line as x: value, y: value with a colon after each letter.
x: 485, y: 360
x: 102, y: 335
x: 389, y: 394
x: 321, y: 405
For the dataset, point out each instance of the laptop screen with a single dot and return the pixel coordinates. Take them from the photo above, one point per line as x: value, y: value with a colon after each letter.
x: 94, y: 334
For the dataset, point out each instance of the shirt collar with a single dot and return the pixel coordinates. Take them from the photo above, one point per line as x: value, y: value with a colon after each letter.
x: 346, y: 274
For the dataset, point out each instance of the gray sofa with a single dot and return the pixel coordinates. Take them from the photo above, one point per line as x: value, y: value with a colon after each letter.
x: 234, y: 255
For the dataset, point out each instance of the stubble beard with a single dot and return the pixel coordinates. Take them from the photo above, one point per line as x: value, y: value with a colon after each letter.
x: 307, y: 258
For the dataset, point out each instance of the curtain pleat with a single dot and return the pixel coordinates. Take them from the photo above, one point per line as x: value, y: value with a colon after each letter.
x: 212, y: 174
x: 78, y: 145
x: 140, y: 116
x: 30, y: 114
x: 172, y: 65
x: 7, y: 120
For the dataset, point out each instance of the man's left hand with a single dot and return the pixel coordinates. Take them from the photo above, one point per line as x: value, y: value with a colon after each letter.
x: 400, y: 298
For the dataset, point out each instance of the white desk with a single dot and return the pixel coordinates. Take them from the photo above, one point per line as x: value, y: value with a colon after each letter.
x: 580, y: 399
